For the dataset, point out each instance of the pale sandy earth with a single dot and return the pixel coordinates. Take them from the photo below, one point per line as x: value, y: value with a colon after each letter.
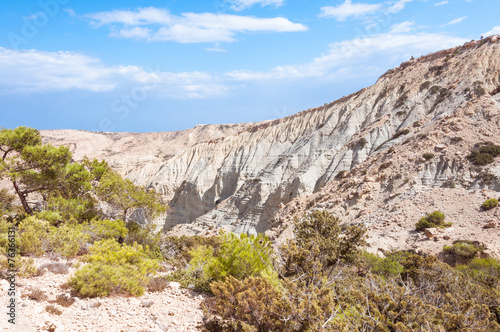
x: 174, y: 309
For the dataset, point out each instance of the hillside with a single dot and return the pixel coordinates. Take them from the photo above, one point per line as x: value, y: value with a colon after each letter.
x: 256, y: 177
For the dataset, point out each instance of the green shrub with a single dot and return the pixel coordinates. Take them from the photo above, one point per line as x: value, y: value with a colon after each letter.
x: 33, y: 233
x: 428, y: 156
x: 478, y: 88
x: 4, y: 236
x: 81, y: 209
x: 256, y: 304
x: 424, y: 86
x: 361, y: 143
x: 114, y: 268
x: 68, y: 239
x: 435, y: 219
x: 491, y: 149
x: 177, y: 250
x: 490, y: 203
x: 389, y: 266
x: 484, y: 153
x: 6, y: 201
x: 145, y: 235
x: 253, y: 304
x: 320, y: 242
x: 483, y: 270
x: 464, y: 249
x: 192, y: 279
x: 401, y: 133
x: 435, y: 89
x: 107, y: 229
x: 24, y: 267
x: 52, y: 217
x: 486, y: 178
x: 480, y: 159
x: 239, y: 256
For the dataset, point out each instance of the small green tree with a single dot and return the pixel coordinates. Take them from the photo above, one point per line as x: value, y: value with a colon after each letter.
x: 69, y: 188
x: 319, y: 239
x: 33, y: 167
x: 124, y: 195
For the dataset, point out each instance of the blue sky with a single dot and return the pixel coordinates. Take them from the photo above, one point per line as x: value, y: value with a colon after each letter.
x: 144, y: 66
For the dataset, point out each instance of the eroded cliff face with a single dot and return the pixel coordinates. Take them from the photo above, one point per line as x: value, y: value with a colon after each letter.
x: 239, y: 177
x: 239, y: 182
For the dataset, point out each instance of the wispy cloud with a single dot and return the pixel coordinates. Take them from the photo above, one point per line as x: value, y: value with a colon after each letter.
x: 244, y: 4
x: 348, y: 9
x: 216, y: 48
x: 355, y: 56
x: 441, y: 3
x: 360, y: 10
x: 32, y: 71
x: 153, y: 24
x: 398, y: 6
x: 494, y: 31
x: 455, y: 21
x: 403, y: 27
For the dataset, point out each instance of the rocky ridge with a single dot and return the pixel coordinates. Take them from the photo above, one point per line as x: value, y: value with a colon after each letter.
x: 247, y: 179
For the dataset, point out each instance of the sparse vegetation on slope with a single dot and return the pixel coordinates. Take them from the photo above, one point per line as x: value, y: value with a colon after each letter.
x: 490, y: 203
x: 434, y: 219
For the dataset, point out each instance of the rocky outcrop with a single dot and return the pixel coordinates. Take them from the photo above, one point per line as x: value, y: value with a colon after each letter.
x: 240, y: 176
x: 240, y: 181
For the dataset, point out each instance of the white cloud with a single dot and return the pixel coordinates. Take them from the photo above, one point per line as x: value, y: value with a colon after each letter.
x: 357, y: 55
x: 398, y: 6
x: 348, y: 9
x: 441, y: 3
x: 403, y: 27
x: 33, y: 71
x: 216, y: 48
x: 243, y: 4
x: 359, y: 10
x: 455, y: 21
x: 155, y: 24
x: 494, y: 31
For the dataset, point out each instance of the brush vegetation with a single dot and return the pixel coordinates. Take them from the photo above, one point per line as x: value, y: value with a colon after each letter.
x: 321, y: 280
